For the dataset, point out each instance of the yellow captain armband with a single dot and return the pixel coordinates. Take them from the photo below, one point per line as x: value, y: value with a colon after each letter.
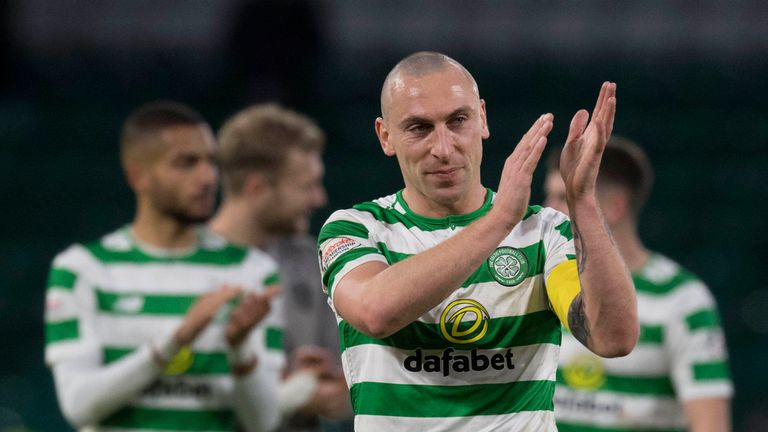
x: 562, y: 287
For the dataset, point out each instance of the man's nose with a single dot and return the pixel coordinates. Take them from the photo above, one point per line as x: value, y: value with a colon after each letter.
x: 208, y: 174
x: 443, y: 144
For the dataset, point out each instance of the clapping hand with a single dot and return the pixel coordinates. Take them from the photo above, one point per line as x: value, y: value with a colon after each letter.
x: 580, y: 158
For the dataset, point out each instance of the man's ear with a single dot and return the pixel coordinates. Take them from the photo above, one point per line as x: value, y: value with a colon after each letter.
x: 615, y: 206
x: 256, y: 186
x: 136, y: 176
x: 383, y: 134
x: 484, y: 120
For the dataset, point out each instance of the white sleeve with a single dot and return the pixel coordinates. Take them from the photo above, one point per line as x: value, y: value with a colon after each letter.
x: 344, y: 243
x: 87, y: 390
x: 256, y: 394
x: 558, y: 239
x: 697, y: 346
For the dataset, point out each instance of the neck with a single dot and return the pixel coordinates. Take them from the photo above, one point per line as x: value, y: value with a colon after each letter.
x: 631, y: 247
x: 425, y: 206
x: 156, y: 229
x: 238, y: 223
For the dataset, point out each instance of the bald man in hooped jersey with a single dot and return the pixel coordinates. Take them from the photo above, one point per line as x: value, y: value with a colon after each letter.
x: 450, y: 296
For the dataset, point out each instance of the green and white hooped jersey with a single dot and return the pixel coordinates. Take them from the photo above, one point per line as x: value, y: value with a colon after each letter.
x: 485, y: 358
x: 112, y: 296
x: 680, y: 356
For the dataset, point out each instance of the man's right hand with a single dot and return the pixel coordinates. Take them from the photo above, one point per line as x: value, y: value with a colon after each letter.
x: 515, y: 184
x: 202, y: 312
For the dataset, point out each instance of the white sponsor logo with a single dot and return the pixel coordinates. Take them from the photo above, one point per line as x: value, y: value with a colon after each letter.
x: 130, y: 304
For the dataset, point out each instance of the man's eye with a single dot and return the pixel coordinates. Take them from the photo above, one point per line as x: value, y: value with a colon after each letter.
x: 418, y: 128
x: 458, y: 121
x: 185, y: 162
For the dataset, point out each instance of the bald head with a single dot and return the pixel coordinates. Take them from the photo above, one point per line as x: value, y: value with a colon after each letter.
x: 417, y: 65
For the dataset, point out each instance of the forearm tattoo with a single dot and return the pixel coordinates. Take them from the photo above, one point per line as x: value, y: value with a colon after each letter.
x: 577, y: 320
x: 581, y: 250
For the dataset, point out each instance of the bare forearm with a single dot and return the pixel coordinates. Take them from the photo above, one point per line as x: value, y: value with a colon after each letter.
x: 708, y: 415
x: 398, y: 295
x: 604, y: 316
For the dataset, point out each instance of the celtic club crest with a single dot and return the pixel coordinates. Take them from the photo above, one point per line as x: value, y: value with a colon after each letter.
x: 509, y: 266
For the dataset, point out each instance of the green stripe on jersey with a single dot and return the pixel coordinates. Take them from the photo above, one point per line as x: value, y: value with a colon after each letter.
x: 658, y: 386
x: 573, y: 427
x: 203, y: 363
x: 342, y: 228
x: 274, y: 337
x: 387, y: 215
x: 565, y: 230
x: 138, y: 303
x: 717, y: 370
x: 534, y: 253
x: 373, y: 398
x: 229, y: 255
x: 330, y: 273
x: 532, y: 210
x: 271, y: 279
x: 172, y: 419
x: 705, y: 318
x: 651, y: 334
x: 409, y: 219
x: 61, y: 331
x: 534, y: 328
x: 61, y: 278
x: 645, y: 286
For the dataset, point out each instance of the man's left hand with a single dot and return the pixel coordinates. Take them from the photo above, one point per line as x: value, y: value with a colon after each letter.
x: 251, y: 311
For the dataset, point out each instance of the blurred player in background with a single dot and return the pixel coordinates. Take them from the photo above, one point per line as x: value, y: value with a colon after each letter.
x: 156, y: 326
x: 272, y: 174
x: 677, y: 376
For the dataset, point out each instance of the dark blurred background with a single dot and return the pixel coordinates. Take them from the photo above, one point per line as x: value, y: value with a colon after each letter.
x: 692, y: 91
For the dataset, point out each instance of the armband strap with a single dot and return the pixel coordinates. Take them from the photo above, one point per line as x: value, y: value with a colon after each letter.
x: 562, y: 287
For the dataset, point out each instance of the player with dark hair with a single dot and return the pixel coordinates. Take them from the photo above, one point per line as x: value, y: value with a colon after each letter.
x: 677, y: 376
x: 162, y: 325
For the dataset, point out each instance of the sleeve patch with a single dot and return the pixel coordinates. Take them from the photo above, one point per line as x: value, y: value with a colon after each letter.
x: 334, y: 248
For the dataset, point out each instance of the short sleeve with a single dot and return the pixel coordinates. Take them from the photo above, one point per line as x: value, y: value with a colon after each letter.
x: 561, y: 275
x: 344, y: 243
x: 558, y: 240
x: 698, y: 353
